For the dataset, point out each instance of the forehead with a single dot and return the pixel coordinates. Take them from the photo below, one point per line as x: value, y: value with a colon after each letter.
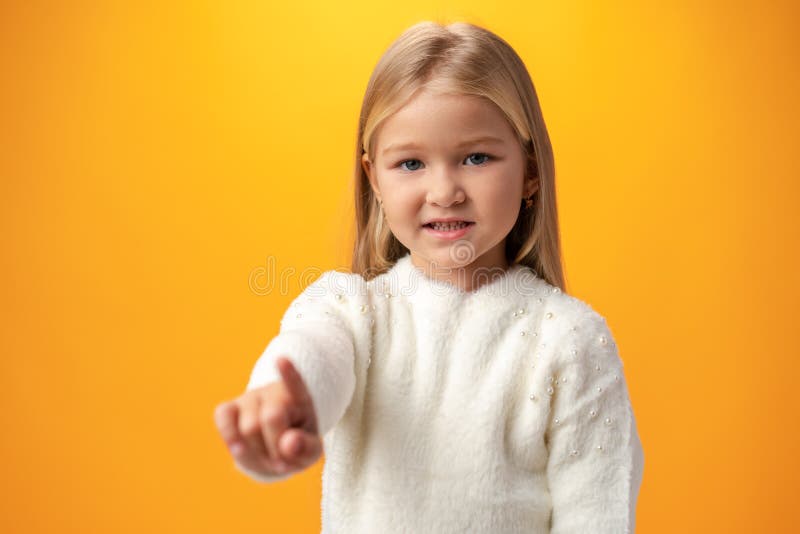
x: 447, y: 117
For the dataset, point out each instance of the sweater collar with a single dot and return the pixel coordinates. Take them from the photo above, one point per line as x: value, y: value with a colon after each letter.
x: 409, y: 281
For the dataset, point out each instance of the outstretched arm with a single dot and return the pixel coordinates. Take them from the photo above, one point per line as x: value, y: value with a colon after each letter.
x: 316, y: 335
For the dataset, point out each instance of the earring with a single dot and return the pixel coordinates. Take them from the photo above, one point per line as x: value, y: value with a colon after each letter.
x: 529, y: 202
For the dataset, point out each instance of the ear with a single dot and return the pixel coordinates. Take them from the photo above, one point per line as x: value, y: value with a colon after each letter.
x: 531, y: 186
x: 366, y: 164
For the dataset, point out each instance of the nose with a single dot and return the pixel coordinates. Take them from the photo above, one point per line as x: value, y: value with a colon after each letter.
x: 444, y: 189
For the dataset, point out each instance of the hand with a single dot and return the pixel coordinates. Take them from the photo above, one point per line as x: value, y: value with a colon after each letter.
x: 272, y: 430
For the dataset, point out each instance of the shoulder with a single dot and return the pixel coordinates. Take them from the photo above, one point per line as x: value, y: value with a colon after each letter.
x: 337, y: 285
x: 334, y: 292
x: 569, y: 320
x: 579, y: 336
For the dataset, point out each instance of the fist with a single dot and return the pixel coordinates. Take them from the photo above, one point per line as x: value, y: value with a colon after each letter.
x: 272, y: 430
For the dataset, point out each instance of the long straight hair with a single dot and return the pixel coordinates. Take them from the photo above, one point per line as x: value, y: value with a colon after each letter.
x: 458, y: 58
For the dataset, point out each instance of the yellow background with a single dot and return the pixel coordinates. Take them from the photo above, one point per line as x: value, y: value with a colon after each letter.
x: 158, y: 159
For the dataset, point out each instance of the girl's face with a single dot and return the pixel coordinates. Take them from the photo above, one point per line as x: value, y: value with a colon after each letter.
x: 450, y: 156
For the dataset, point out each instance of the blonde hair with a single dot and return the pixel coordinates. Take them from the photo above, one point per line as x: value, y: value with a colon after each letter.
x: 461, y: 58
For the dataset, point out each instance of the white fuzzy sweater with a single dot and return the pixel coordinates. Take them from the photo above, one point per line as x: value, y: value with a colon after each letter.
x: 500, y: 410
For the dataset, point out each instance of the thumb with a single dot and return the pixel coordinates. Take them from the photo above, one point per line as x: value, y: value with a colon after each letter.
x: 299, y: 447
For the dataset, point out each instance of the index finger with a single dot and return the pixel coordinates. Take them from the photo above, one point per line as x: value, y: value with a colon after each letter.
x: 294, y: 382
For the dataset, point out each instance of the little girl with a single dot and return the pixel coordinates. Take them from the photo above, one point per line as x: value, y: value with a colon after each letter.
x: 452, y: 383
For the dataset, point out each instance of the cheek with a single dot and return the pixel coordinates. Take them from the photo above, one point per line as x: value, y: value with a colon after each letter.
x: 499, y: 200
x: 400, y: 204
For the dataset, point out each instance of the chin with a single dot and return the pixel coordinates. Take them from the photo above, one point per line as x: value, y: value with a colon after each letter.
x: 454, y: 256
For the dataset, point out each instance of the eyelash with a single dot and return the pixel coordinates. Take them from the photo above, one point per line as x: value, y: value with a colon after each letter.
x: 488, y: 158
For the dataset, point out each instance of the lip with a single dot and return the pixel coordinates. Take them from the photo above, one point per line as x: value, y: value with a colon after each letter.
x: 451, y: 234
x: 447, y: 219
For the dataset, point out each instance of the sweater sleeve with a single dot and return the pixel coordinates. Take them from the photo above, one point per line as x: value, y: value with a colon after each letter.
x: 595, y: 457
x: 316, y: 335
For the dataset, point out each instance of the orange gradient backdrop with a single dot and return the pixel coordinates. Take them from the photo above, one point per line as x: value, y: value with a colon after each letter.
x: 163, y: 163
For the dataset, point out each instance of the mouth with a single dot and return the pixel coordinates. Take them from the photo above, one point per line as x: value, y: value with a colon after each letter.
x: 448, y: 226
x: 450, y: 229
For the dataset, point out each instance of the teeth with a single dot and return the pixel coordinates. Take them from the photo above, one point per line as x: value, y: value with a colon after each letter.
x: 448, y: 227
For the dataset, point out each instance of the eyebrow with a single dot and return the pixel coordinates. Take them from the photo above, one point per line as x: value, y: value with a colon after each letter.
x: 482, y: 139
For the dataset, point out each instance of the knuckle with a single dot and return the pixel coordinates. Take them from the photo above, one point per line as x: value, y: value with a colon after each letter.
x: 272, y: 416
x: 221, y: 412
x: 225, y: 413
x: 248, y: 426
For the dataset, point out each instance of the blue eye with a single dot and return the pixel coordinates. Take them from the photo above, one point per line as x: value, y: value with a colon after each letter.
x: 469, y: 158
x: 487, y: 156
x: 406, y: 161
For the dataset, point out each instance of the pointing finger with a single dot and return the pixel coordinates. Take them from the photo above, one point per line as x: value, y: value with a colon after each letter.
x: 294, y: 382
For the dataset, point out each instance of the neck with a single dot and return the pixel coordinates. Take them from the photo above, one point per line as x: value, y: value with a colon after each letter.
x: 467, y: 277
